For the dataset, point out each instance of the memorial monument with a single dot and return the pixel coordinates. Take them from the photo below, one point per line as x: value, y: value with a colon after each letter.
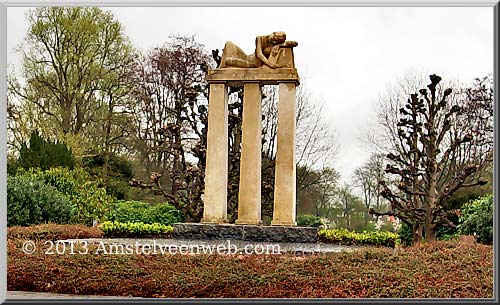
x: 272, y: 63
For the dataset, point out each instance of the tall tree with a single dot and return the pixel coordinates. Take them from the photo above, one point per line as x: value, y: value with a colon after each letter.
x: 171, y: 122
x: 366, y: 184
x: 70, y: 56
x: 349, y: 206
x: 437, y: 150
x: 366, y: 178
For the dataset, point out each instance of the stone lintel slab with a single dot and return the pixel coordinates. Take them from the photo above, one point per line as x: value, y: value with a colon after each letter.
x: 255, y: 233
x: 262, y: 75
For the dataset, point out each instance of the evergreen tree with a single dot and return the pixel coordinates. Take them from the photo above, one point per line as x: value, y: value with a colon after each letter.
x: 44, y: 154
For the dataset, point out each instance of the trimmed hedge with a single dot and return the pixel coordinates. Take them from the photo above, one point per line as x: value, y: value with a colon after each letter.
x: 345, y: 237
x: 53, y: 232
x: 137, y: 211
x: 135, y: 229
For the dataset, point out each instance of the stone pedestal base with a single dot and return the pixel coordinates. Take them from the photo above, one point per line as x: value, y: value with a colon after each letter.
x: 283, y: 223
x: 245, y: 232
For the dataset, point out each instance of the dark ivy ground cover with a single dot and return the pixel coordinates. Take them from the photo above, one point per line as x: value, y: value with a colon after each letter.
x: 434, y: 270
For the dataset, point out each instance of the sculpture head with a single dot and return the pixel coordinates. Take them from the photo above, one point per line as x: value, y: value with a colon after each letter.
x: 277, y: 38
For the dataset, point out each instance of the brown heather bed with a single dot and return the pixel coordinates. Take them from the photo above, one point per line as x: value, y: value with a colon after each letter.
x: 433, y: 270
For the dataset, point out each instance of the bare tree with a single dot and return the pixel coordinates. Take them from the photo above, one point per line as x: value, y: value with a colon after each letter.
x: 348, y: 204
x: 366, y: 183
x: 366, y: 178
x: 171, y: 122
x: 433, y: 152
x: 316, y: 146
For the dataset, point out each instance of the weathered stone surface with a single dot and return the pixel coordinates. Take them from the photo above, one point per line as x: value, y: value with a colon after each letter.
x: 215, y: 201
x: 249, y: 204
x: 206, y: 231
x: 284, y: 182
x: 263, y: 75
x: 245, y: 232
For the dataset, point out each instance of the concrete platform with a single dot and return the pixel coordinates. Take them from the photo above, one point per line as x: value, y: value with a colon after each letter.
x: 285, y: 234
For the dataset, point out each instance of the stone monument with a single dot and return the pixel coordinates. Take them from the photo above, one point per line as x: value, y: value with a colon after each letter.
x: 272, y: 63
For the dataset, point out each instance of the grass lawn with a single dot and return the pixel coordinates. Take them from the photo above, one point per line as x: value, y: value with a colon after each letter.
x: 433, y: 270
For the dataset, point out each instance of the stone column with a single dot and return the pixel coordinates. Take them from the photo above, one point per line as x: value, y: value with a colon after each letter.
x: 284, y: 184
x: 215, y: 197
x: 249, y: 198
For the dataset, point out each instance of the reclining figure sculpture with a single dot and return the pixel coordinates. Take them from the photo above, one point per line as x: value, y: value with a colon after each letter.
x: 271, y: 51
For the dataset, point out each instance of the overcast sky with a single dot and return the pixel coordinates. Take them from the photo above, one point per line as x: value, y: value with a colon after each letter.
x: 346, y: 56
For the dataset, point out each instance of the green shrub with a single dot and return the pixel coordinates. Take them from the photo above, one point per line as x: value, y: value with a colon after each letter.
x: 477, y: 219
x: 91, y: 202
x: 446, y: 233
x: 309, y: 220
x: 136, y: 211
x: 117, y: 166
x: 405, y: 235
x: 442, y: 233
x: 44, y: 154
x: 345, y: 237
x: 118, y: 174
x: 30, y: 201
x: 134, y: 229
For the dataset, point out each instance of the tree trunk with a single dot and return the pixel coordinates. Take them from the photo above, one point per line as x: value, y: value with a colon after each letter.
x: 107, y: 137
x: 430, y: 203
x: 417, y: 233
x: 430, y: 234
x: 66, y: 118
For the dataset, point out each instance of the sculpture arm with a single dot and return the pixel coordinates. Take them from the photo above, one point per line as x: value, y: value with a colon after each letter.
x: 260, y: 54
x: 289, y: 44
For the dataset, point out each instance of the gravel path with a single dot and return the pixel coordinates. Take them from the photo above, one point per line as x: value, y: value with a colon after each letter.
x: 241, y: 246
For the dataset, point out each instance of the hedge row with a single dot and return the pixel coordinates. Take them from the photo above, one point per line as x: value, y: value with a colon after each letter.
x: 135, y: 229
x: 345, y: 237
x: 137, y: 211
x: 434, y: 270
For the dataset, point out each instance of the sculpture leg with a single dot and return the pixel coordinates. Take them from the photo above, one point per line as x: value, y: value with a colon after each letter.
x: 233, y: 56
x: 238, y: 63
